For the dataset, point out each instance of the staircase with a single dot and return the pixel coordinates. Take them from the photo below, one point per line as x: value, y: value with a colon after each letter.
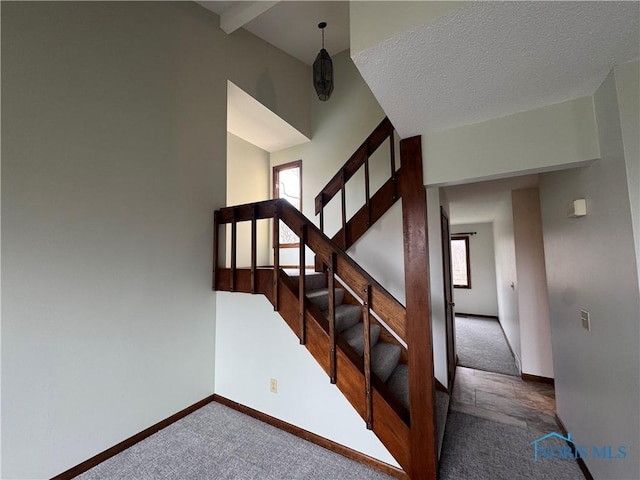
x: 388, y: 356
x: 377, y: 351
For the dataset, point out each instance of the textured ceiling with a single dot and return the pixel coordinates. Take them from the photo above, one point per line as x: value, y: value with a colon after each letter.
x: 491, y: 59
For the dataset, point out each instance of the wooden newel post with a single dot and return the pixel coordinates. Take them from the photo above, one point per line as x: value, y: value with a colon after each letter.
x: 423, y: 443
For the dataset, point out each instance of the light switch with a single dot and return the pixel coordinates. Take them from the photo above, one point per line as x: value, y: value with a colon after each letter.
x: 586, y: 320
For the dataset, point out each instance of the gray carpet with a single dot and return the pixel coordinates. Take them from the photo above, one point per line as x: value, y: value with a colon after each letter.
x: 480, y: 449
x: 216, y: 442
x: 480, y: 344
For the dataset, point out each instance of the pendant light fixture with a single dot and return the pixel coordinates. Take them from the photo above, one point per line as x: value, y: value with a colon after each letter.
x: 323, y: 71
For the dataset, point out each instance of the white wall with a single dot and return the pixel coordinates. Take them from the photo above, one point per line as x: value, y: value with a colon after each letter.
x: 506, y: 275
x: 533, y: 304
x: 628, y: 89
x: 260, y: 346
x: 537, y: 140
x: 113, y: 151
x: 248, y: 180
x: 590, y: 266
x: 482, y: 297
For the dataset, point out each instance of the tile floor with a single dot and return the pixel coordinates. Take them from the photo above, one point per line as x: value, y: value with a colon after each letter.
x: 504, y: 398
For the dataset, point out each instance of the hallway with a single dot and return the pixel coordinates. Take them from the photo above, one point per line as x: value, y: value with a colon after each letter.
x: 493, y: 419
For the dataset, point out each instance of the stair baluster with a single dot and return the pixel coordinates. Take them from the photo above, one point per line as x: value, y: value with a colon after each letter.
x: 234, y: 248
x: 301, y: 283
x: 254, y: 247
x: 366, y: 325
x: 343, y: 194
x: 276, y: 255
x: 332, y: 316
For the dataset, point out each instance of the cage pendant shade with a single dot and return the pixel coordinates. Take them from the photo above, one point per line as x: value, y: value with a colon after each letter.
x: 323, y: 71
x: 323, y: 75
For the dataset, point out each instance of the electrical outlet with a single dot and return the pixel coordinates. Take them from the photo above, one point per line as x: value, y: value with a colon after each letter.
x: 273, y: 385
x: 586, y: 320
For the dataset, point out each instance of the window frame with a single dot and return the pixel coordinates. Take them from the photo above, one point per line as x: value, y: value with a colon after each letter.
x: 275, y: 192
x: 464, y: 238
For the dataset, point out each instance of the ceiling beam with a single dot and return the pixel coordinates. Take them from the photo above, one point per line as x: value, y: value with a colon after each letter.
x: 241, y: 13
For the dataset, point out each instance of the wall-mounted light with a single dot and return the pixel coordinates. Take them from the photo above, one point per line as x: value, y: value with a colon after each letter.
x: 577, y: 208
x: 323, y: 71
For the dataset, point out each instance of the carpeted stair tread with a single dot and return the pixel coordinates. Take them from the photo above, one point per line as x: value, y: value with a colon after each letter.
x: 320, y: 297
x: 346, y: 316
x: 384, y: 359
x: 355, y: 336
x: 312, y: 281
x: 398, y: 383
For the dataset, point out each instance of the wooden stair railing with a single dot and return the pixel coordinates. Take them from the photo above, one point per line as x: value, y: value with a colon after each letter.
x: 382, y: 303
x: 375, y: 206
x: 381, y: 412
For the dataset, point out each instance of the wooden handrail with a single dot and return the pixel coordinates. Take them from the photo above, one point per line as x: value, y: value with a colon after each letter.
x: 382, y: 303
x: 383, y: 131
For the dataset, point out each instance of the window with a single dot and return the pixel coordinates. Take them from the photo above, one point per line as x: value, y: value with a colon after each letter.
x: 287, y: 184
x: 460, y: 263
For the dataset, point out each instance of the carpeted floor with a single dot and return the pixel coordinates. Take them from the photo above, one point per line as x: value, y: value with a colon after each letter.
x: 480, y: 449
x: 216, y: 442
x: 480, y: 344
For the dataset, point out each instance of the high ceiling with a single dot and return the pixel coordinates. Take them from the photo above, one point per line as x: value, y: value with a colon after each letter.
x: 480, y: 61
x: 292, y: 26
x: 483, y: 60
